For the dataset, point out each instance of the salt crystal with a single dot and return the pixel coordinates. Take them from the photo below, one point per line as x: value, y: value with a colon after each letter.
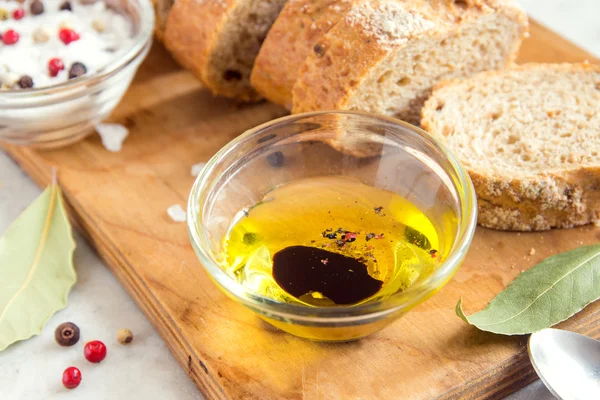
x: 177, y: 213
x: 197, y: 168
x: 113, y: 136
x: 66, y: 24
x: 98, y: 7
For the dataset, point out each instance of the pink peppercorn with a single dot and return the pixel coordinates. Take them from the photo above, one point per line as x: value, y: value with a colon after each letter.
x: 18, y: 13
x: 10, y: 37
x: 55, y: 65
x: 349, y: 236
x: 94, y: 351
x: 67, y: 35
x: 71, y: 378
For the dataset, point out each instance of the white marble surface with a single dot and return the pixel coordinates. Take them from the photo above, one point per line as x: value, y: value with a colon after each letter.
x: 32, y: 369
x: 145, y: 369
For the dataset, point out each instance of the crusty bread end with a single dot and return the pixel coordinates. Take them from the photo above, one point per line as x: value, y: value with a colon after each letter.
x: 218, y: 41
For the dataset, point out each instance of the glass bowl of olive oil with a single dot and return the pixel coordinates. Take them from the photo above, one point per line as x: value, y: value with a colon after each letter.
x: 332, y: 225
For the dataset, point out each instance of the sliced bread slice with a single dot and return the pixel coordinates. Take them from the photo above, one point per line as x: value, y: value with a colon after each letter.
x: 218, y: 40
x: 530, y: 138
x: 384, y: 56
x: 293, y: 36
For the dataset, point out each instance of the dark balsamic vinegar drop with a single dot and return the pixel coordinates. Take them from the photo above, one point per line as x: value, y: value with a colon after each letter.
x: 300, y: 270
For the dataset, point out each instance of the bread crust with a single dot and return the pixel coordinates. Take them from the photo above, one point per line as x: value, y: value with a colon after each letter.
x: 161, y: 11
x: 328, y: 80
x: 192, y: 32
x: 558, y: 67
x: 299, y: 26
x: 539, y: 202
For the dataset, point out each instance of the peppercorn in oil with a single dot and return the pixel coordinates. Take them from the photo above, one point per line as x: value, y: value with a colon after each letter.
x: 331, y: 241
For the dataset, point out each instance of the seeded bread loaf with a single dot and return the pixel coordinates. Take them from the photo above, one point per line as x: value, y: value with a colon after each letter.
x: 293, y: 36
x: 161, y: 10
x: 218, y: 40
x: 530, y: 138
x: 384, y: 56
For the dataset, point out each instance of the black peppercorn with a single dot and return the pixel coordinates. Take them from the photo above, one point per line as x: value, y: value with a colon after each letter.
x: 37, y: 7
x: 66, y: 334
x: 275, y: 159
x: 25, y: 82
x: 66, y: 6
x: 77, y: 70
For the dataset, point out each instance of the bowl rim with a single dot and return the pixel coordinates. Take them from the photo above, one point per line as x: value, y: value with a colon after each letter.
x: 357, y: 313
x: 141, y: 41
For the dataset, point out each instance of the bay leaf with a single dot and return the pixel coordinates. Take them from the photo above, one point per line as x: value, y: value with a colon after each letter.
x: 36, y: 267
x: 546, y: 294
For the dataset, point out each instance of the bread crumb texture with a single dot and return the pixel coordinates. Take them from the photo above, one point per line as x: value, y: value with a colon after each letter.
x: 529, y: 137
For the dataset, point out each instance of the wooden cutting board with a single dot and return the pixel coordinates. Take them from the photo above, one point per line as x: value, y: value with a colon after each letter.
x: 120, y: 201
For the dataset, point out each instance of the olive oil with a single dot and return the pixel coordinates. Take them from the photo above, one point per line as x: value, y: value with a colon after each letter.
x: 331, y: 241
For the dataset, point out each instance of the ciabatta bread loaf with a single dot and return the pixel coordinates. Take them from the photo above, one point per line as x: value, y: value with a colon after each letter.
x: 293, y: 36
x: 218, y: 40
x: 384, y: 56
x: 530, y: 138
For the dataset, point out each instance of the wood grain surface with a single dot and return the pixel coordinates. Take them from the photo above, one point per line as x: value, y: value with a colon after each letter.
x: 119, y: 201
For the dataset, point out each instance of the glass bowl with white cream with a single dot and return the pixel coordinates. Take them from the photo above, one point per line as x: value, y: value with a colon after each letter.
x: 65, y: 65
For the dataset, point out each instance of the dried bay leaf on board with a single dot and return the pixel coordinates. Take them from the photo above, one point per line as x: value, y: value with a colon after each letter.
x: 36, y: 267
x: 546, y: 294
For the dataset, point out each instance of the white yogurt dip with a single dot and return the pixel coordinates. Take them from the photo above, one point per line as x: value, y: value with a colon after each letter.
x: 103, y: 35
